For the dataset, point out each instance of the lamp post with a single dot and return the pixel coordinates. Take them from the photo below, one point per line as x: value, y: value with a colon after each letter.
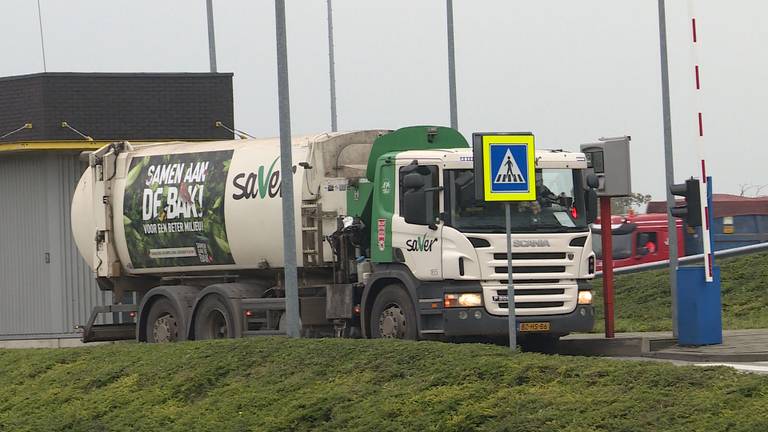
x: 290, y: 280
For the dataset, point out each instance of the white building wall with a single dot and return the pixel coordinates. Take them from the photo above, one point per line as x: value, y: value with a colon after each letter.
x: 45, y: 286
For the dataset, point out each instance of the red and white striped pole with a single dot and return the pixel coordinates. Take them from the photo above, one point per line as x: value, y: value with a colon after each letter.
x: 705, y: 233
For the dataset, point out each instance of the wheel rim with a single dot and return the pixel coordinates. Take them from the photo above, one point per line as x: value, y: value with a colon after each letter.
x: 165, y: 329
x: 392, y: 324
x: 217, y: 325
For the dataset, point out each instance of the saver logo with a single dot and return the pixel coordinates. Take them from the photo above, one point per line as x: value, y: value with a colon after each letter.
x: 258, y: 184
x: 420, y: 244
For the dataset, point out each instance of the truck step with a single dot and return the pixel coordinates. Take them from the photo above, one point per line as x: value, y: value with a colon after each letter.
x: 110, y: 332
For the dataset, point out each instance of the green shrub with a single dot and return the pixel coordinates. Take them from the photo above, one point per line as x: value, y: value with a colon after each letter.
x: 278, y: 384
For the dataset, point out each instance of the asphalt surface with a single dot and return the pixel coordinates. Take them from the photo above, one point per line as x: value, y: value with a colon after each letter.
x: 743, y: 350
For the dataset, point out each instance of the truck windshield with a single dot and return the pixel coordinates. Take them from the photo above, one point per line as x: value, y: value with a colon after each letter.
x: 559, y: 206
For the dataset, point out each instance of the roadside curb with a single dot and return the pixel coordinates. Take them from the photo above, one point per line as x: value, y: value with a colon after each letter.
x: 52, y: 343
x: 708, y: 358
x: 663, y: 348
x: 618, y: 347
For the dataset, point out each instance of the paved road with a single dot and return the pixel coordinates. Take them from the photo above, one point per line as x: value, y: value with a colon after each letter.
x: 751, y: 367
x: 755, y: 367
x: 744, y: 350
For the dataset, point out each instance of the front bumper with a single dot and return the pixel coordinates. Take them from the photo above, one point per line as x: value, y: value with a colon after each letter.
x: 582, y: 319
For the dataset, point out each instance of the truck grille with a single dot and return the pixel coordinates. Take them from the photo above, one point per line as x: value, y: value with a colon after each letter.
x: 531, y: 305
x: 545, y: 276
x: 532, y: 291
x: 532, y: 269
x: 530, y: 255
x: 532, y: 298
x: 531, y: 281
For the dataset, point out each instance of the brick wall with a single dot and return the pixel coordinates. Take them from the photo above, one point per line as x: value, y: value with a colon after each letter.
x: 142, y: 106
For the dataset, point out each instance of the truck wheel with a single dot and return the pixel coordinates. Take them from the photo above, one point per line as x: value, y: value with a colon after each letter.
x: 212, y: 320
x: 393, y: 315
x: 163, y: 322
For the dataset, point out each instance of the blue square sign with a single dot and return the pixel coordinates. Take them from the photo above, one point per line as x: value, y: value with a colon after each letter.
x: 509, y: 168
x: 505, y: 166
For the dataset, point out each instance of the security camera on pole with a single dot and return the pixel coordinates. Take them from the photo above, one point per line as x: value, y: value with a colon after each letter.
x: 505, y: 170
x: 608, y: 161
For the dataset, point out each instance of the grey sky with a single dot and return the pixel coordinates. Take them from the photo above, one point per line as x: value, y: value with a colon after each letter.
x: 570, y: 71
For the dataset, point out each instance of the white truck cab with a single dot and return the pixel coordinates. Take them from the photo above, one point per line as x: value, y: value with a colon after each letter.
x: 457, y: 255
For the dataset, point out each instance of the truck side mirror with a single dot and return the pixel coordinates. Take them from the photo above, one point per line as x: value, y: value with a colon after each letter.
x: 414, y: 208
x: 412, y: 181
x: 591, y: 205
x: 414, y: 199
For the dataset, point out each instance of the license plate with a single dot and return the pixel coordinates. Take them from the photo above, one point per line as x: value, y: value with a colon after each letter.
x: 534, y: 326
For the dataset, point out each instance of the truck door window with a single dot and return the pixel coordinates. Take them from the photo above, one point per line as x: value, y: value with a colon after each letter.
x: 431, y: 181
x: 622, y: 245
x: 646, y: 244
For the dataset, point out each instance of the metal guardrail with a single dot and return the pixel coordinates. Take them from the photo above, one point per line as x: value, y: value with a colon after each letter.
x: 691, y: 259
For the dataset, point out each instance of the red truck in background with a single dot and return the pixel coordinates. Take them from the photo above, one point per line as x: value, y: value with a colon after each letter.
x: 637, y: 239
x: 643, y: 238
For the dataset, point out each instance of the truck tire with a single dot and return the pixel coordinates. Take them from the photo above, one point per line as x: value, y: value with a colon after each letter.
x: 213, y: 320
x: 163, y: 322
x: 393, y: 315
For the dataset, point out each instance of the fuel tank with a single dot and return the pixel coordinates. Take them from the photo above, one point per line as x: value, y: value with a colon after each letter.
x: 185, y: 207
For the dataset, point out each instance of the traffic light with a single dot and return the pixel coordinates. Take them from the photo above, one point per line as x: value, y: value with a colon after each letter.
x: 690, y: 211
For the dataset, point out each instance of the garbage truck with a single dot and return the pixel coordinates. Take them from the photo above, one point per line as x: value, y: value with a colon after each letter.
x: 188, y: 238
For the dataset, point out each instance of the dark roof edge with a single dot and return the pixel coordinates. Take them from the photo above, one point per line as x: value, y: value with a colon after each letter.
x: 118, y: 74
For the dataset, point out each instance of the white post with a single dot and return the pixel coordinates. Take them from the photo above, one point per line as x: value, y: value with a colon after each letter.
x: 705, y: 234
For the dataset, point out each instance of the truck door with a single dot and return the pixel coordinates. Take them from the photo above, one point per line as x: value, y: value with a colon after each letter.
x: 416, y: 233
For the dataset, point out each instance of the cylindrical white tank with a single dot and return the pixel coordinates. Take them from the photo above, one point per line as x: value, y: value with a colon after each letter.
x: 190, y: 207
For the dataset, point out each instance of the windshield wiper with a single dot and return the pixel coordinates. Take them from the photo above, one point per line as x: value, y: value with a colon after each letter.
x: 483, y: 228
x: 558, y: 228
x: 517, y: 229
x: 549, y: 227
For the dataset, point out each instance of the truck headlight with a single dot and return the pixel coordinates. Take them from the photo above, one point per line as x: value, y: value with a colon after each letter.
x: 585, y: 297
x: 463, y: 300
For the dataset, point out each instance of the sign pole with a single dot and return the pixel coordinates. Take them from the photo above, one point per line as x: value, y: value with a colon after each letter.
x: 607, y: 243
x: 668, y: 162
x: 505, y: 171
x: 510, y: 284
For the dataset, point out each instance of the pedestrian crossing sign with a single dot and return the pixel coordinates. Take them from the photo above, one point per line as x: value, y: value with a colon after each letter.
x: 507, y: 165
